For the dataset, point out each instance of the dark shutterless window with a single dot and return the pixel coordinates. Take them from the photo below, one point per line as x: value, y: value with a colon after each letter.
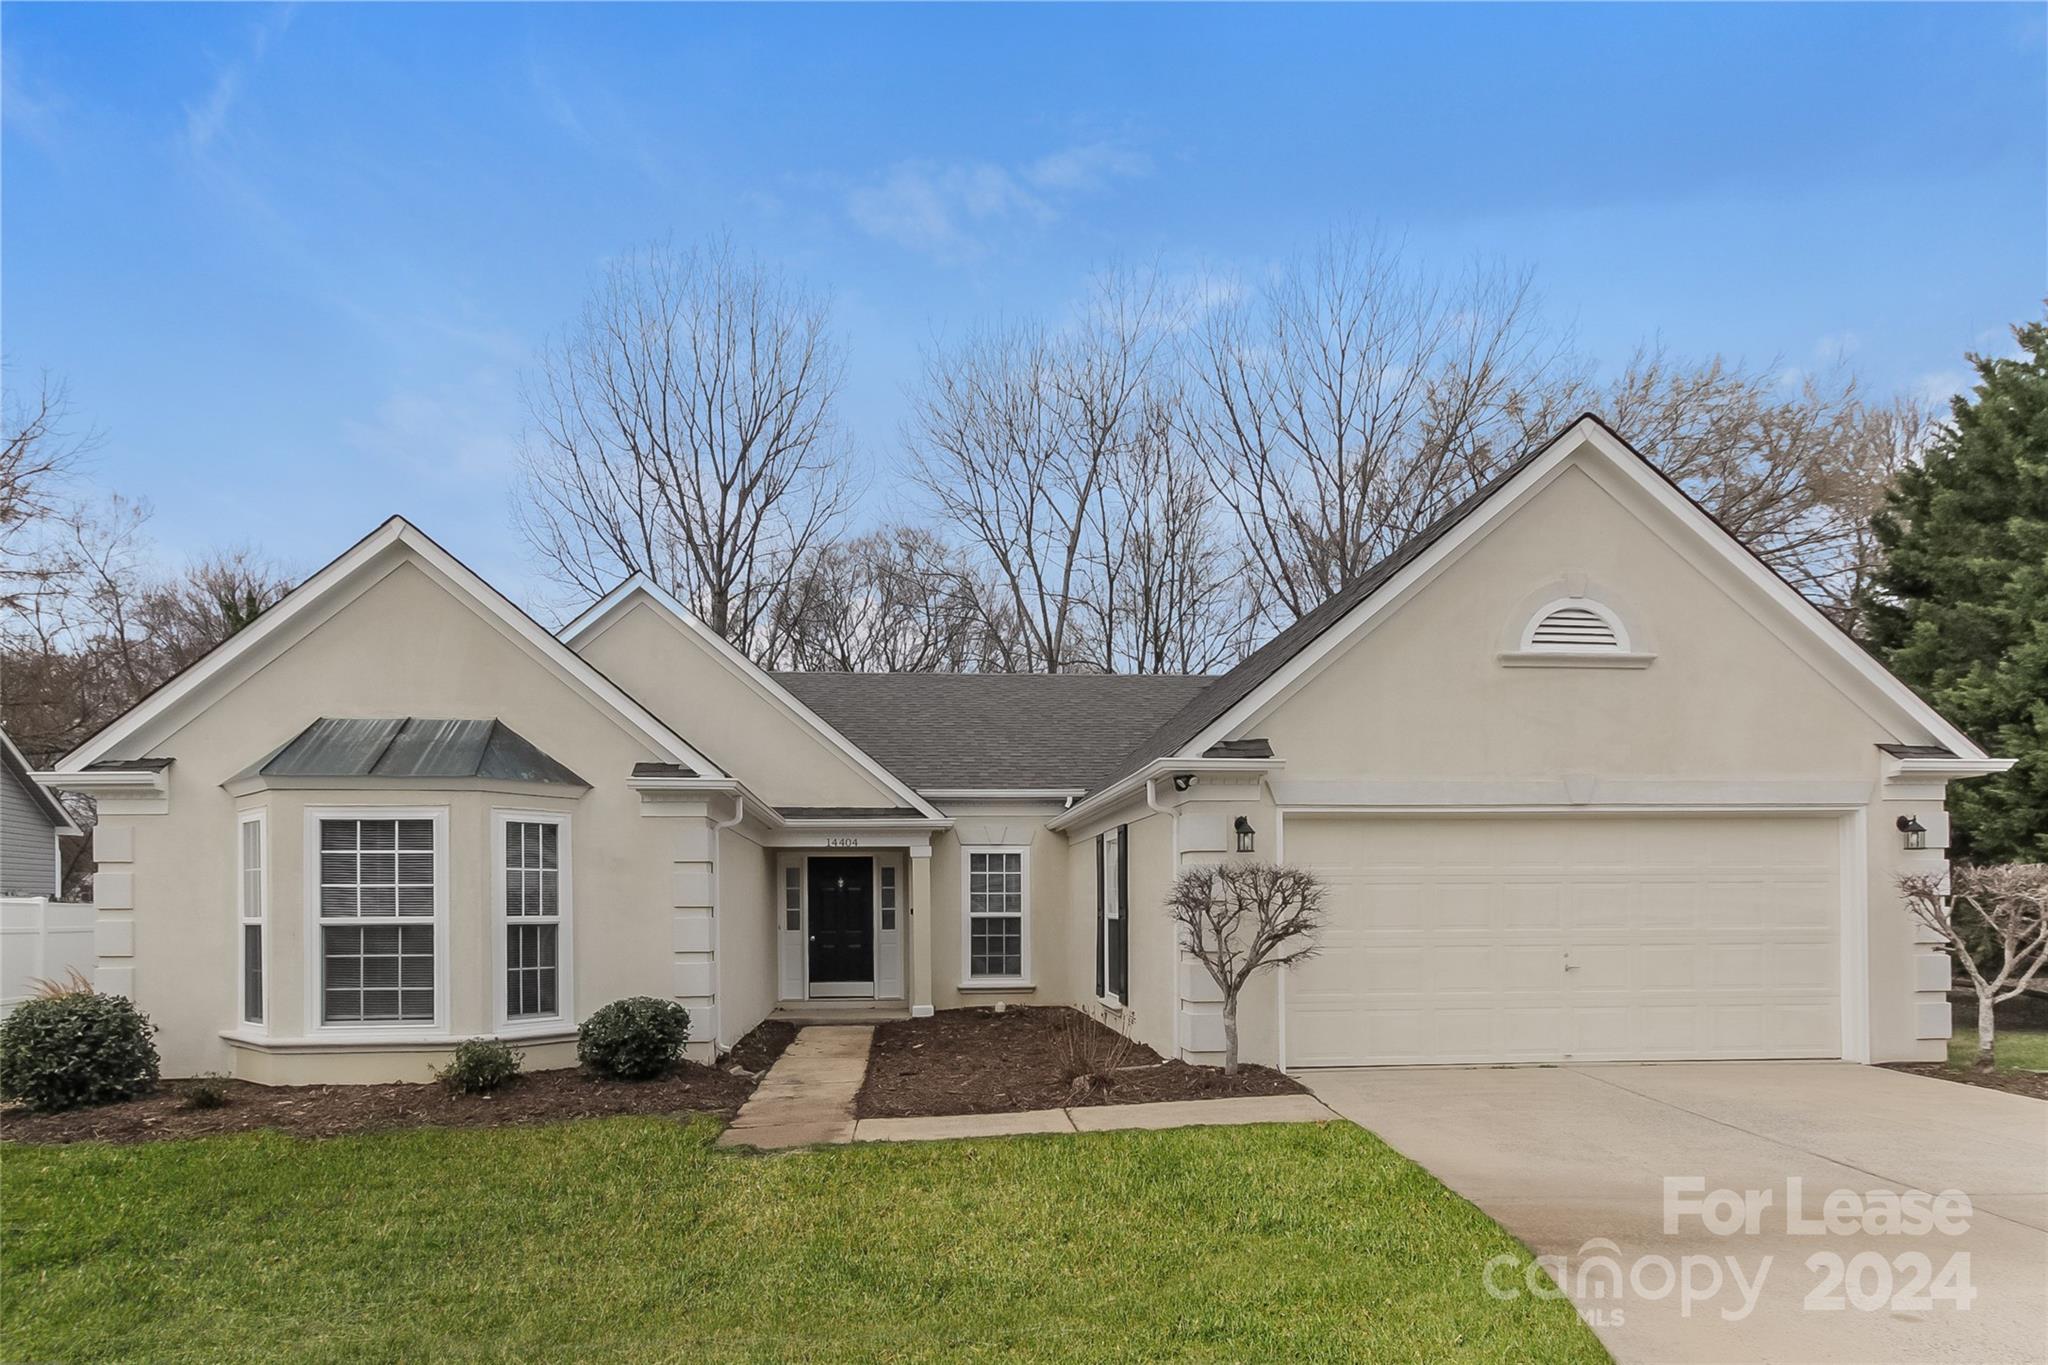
x: 252, y: 973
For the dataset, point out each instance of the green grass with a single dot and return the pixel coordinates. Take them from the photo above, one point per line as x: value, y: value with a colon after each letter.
x: 635, y: 1238
x: 2011, y: 1050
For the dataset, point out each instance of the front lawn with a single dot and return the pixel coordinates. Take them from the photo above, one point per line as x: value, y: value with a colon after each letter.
x: 2011, y: 1049
x: 635, y: 1238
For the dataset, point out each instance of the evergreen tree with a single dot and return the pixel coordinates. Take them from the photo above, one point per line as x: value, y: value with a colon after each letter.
x: 1961, y: 611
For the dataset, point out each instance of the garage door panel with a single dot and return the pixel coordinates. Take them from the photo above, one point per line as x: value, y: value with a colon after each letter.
x: 1568, y: 938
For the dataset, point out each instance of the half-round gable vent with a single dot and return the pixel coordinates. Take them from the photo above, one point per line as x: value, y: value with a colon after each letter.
x: 1574, y: 627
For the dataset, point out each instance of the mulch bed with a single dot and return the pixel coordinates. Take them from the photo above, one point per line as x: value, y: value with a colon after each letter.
x: 981, y: 1061
x: 2028, y: 1011
x: 335, y: 1110
x: 2033, y: 1084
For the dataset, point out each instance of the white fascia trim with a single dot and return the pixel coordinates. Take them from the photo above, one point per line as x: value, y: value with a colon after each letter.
x: 1566, y: 794
x: 66, y: 826
x: 600, y: 613
x: 112, y: 782
x: 755, y: 807
x: 1135, y: 784
x: 339, y: 572
x: 1948, y: 767
x: 1588, y: 432
x: 1003, y: 793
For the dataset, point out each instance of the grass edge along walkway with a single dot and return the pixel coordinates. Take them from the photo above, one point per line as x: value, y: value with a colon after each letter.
x: 636, y: 1238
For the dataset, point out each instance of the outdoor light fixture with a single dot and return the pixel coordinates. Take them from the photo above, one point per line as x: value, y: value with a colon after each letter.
x: 1915, y: 832
x: 1182, y: 781
x: 1245, y: 834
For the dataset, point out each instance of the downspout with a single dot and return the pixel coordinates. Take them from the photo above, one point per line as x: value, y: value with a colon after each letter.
x: 718, y: 828
x: 1172, y: 813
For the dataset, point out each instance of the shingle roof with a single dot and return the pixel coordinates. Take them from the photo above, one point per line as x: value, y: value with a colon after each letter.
x: 956, y: 731
x: 1918, y: 750
x: 412, y: 747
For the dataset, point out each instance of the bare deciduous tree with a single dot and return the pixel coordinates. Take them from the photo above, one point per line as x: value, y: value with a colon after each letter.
x: 1793, y: 472
x: 1016, y: 435
x: 1350, y: 401
x: 2007, y: 925
x: 898, y: 600
x: 39, y: 455
x: 1164, y: 592
x: 684, y: 429
x: 1237, y: 918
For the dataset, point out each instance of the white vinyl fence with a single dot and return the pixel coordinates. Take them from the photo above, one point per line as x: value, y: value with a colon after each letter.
x: 42, y: 940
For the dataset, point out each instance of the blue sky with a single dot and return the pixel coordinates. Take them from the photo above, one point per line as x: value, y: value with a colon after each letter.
x: 293, y: 261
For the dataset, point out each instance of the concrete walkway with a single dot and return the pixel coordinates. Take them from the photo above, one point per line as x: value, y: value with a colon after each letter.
x: 1573, y: 1161
x: 1099, y: 1118
x: 807, y: 1096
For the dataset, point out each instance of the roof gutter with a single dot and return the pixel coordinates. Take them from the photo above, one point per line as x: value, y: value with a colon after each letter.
x: 1950, y: 767
x: 709, y: 786
x: 1141, y: 781
x: 115, y: 782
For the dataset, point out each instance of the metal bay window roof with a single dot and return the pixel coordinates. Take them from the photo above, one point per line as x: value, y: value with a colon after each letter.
x: 414, y: 747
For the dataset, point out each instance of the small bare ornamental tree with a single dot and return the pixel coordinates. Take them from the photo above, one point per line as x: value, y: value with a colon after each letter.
x: 1239, y: 917
x: 2004, y: 908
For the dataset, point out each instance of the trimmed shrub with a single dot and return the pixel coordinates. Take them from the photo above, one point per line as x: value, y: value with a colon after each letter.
x: 635, y: 1039
x: 208, y: 1091
x: 479, y: 1066
x: 78, y: 1048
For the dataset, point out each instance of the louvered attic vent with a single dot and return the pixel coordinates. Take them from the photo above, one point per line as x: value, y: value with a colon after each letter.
x: 1574, y: 628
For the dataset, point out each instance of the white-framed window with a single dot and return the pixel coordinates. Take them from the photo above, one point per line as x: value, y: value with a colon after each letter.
x: 252, y: 903
x: 1111, y: 969
x: 533, y: 897
x: 887, y: 896
x: 377, y: 884
x: 793, y: 897
x: 997, y: 894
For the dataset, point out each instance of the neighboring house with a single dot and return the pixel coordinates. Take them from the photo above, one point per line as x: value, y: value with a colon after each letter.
x: 32, y: 821
x: 1586, y: 779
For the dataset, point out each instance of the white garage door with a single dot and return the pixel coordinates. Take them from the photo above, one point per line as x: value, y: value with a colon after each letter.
x: 1568, y: 938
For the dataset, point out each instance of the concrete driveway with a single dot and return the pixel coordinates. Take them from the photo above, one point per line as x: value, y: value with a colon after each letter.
x: 1565, y: 1156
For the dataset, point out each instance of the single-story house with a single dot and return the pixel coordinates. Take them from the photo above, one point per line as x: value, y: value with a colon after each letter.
x: 33, y: 823
x: 1586, y: 779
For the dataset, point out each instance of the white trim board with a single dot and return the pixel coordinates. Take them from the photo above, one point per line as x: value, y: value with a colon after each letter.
x: 1810, y: 626
x: 345, y: 578
x: 594, y: 620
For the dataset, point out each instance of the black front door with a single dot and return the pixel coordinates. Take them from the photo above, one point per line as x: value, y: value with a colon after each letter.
x: 842, y: 922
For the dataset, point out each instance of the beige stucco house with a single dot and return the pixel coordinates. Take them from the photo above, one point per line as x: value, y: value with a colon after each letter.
x: 1587, y: 781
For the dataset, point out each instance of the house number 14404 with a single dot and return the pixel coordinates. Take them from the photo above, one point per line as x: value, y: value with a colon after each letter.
x: 843, y: 841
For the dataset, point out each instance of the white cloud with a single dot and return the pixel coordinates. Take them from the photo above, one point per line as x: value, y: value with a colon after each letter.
x: 462, y: 432
x: 1941, y: 385
x: 1089, y: 167
x: 207, y: 118
x: 949, y: 209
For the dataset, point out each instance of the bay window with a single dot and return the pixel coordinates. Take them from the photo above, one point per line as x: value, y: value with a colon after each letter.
x: 252, y: 896
x: 533, y: 898
x: 379, y: 895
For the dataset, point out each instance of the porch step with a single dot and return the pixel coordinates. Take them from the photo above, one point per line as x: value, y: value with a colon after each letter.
x: 816, y: 1012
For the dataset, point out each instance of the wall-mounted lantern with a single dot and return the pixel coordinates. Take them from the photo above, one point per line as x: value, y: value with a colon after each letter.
x: 1245, y: 834
x: 1915, y: 832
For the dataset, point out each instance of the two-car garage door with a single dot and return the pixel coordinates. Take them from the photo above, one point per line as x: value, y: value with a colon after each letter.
x: 1568, y: 938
